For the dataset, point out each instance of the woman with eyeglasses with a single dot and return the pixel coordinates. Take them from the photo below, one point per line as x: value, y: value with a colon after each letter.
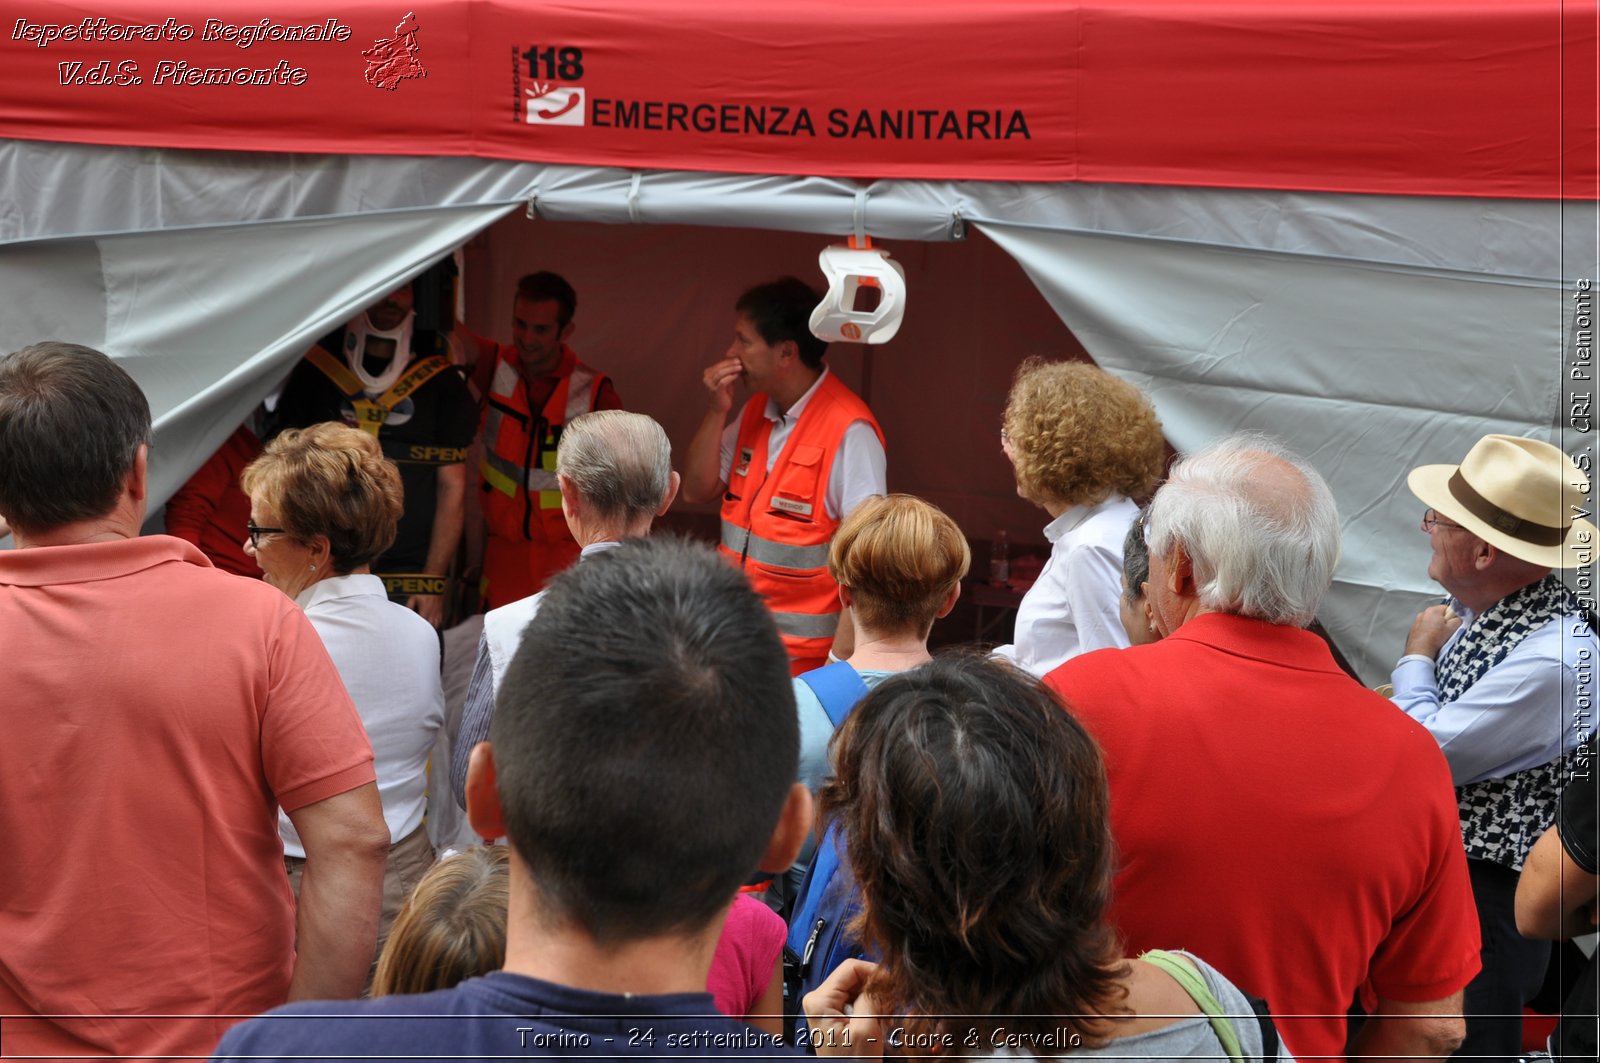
x: 1083, y: 445
x: 324, y: 504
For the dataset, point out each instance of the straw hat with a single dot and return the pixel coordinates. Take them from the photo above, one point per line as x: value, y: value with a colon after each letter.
x: 1518, y: 495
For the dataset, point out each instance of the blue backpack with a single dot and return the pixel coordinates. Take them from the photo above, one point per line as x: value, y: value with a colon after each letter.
x: 827, y: 898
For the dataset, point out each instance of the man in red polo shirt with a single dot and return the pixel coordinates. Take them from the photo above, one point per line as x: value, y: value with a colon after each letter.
x: 156, y: 713
x: 1295, y: 829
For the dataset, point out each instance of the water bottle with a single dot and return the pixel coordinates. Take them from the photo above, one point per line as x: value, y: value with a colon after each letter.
x: 1000, y: 558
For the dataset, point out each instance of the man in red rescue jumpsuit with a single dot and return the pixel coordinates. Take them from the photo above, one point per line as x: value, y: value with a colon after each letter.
x: 531, y: 389
x: 803, y: 452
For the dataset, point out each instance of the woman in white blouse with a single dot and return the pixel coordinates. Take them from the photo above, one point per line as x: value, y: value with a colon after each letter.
x: 1083, y: 444
x: 324, y: 504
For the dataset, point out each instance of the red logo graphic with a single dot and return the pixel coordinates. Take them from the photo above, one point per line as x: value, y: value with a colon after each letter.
x: 391, y: 61
x: 549, y: 105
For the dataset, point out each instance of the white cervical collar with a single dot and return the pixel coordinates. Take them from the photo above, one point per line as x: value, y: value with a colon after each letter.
x: 358, y: 331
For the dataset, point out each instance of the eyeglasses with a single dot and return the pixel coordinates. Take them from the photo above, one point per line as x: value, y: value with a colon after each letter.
x: 256, y: 531
x: 1432, y: 520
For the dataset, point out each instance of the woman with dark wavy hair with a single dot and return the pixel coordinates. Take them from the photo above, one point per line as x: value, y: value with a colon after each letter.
x: 976, y: 810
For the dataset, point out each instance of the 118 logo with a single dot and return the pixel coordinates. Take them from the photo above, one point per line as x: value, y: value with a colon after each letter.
x: 547, y: 103
x: 554, y: 64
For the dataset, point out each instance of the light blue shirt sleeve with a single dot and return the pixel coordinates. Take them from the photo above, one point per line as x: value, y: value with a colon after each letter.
x: 1523, y: 712
x: 815, y: 730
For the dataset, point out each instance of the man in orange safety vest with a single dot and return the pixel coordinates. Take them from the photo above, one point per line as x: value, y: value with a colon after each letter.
x: 802, y: 453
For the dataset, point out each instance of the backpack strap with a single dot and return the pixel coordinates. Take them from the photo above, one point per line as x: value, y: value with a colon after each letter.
x: 1184, y: 973
x: 838, y: 686
x: 824, y: 864
x: 806, y: 923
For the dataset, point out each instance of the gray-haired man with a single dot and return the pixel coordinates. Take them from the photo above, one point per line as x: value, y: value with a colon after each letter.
x: 615, y: 473
x: 1502, y: 677
x: 1303, y: 813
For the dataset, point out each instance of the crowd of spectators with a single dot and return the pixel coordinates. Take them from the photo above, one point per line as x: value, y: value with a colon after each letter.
x: 1163, y: 822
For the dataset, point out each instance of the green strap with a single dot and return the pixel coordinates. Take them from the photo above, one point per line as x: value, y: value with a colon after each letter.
x: 1185, y: 974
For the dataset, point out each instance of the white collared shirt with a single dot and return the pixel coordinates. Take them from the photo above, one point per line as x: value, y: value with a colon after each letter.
x: 388, y: 657
x: 503, y: 626
x: 859, y: 465
x: 1072, y: 608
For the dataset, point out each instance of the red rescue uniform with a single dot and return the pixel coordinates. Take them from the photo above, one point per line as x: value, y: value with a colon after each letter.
x: 528, y: 540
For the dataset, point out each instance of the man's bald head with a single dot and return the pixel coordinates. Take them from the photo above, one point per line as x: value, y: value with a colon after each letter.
x: 1258, y: 524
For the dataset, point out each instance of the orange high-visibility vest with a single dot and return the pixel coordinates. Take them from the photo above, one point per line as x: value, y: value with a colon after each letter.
x: 776, y: 525
x: 522, y: 500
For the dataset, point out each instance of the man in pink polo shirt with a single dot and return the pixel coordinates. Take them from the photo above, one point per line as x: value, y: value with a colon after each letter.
x: 156, y: 712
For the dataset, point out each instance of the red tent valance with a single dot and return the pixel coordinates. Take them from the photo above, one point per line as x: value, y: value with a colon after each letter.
x: 1462, y: 97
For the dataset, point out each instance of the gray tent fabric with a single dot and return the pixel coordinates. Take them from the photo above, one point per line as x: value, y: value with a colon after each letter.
x: 1365, y: 368
x: 59, y: 190
x: 209, y: 319
x: 1371, y: 333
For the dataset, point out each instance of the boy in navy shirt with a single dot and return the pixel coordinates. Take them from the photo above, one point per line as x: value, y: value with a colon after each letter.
x: 641, y: 766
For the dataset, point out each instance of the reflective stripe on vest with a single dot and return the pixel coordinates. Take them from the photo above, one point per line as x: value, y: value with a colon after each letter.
x: 579, y: 384
x: 807, y: 625
x: 500, y: 473
x: 775, y: 522
x: 753, y: 547
x: 505, y: 474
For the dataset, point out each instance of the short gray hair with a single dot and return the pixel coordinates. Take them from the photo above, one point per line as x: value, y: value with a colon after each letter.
x: 1259, y: 525
x: 620, y: 462
x: 1135, y: 558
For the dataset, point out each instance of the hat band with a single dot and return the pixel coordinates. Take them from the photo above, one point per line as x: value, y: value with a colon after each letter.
x: 1528, y: 531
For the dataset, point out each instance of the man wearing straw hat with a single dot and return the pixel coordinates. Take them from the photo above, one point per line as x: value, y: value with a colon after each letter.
x: 1501, y: 676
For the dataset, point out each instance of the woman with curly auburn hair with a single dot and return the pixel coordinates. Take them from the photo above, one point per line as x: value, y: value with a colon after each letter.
x: 1084, y: 445
x: 976, y: 810
x: 324, y: 505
